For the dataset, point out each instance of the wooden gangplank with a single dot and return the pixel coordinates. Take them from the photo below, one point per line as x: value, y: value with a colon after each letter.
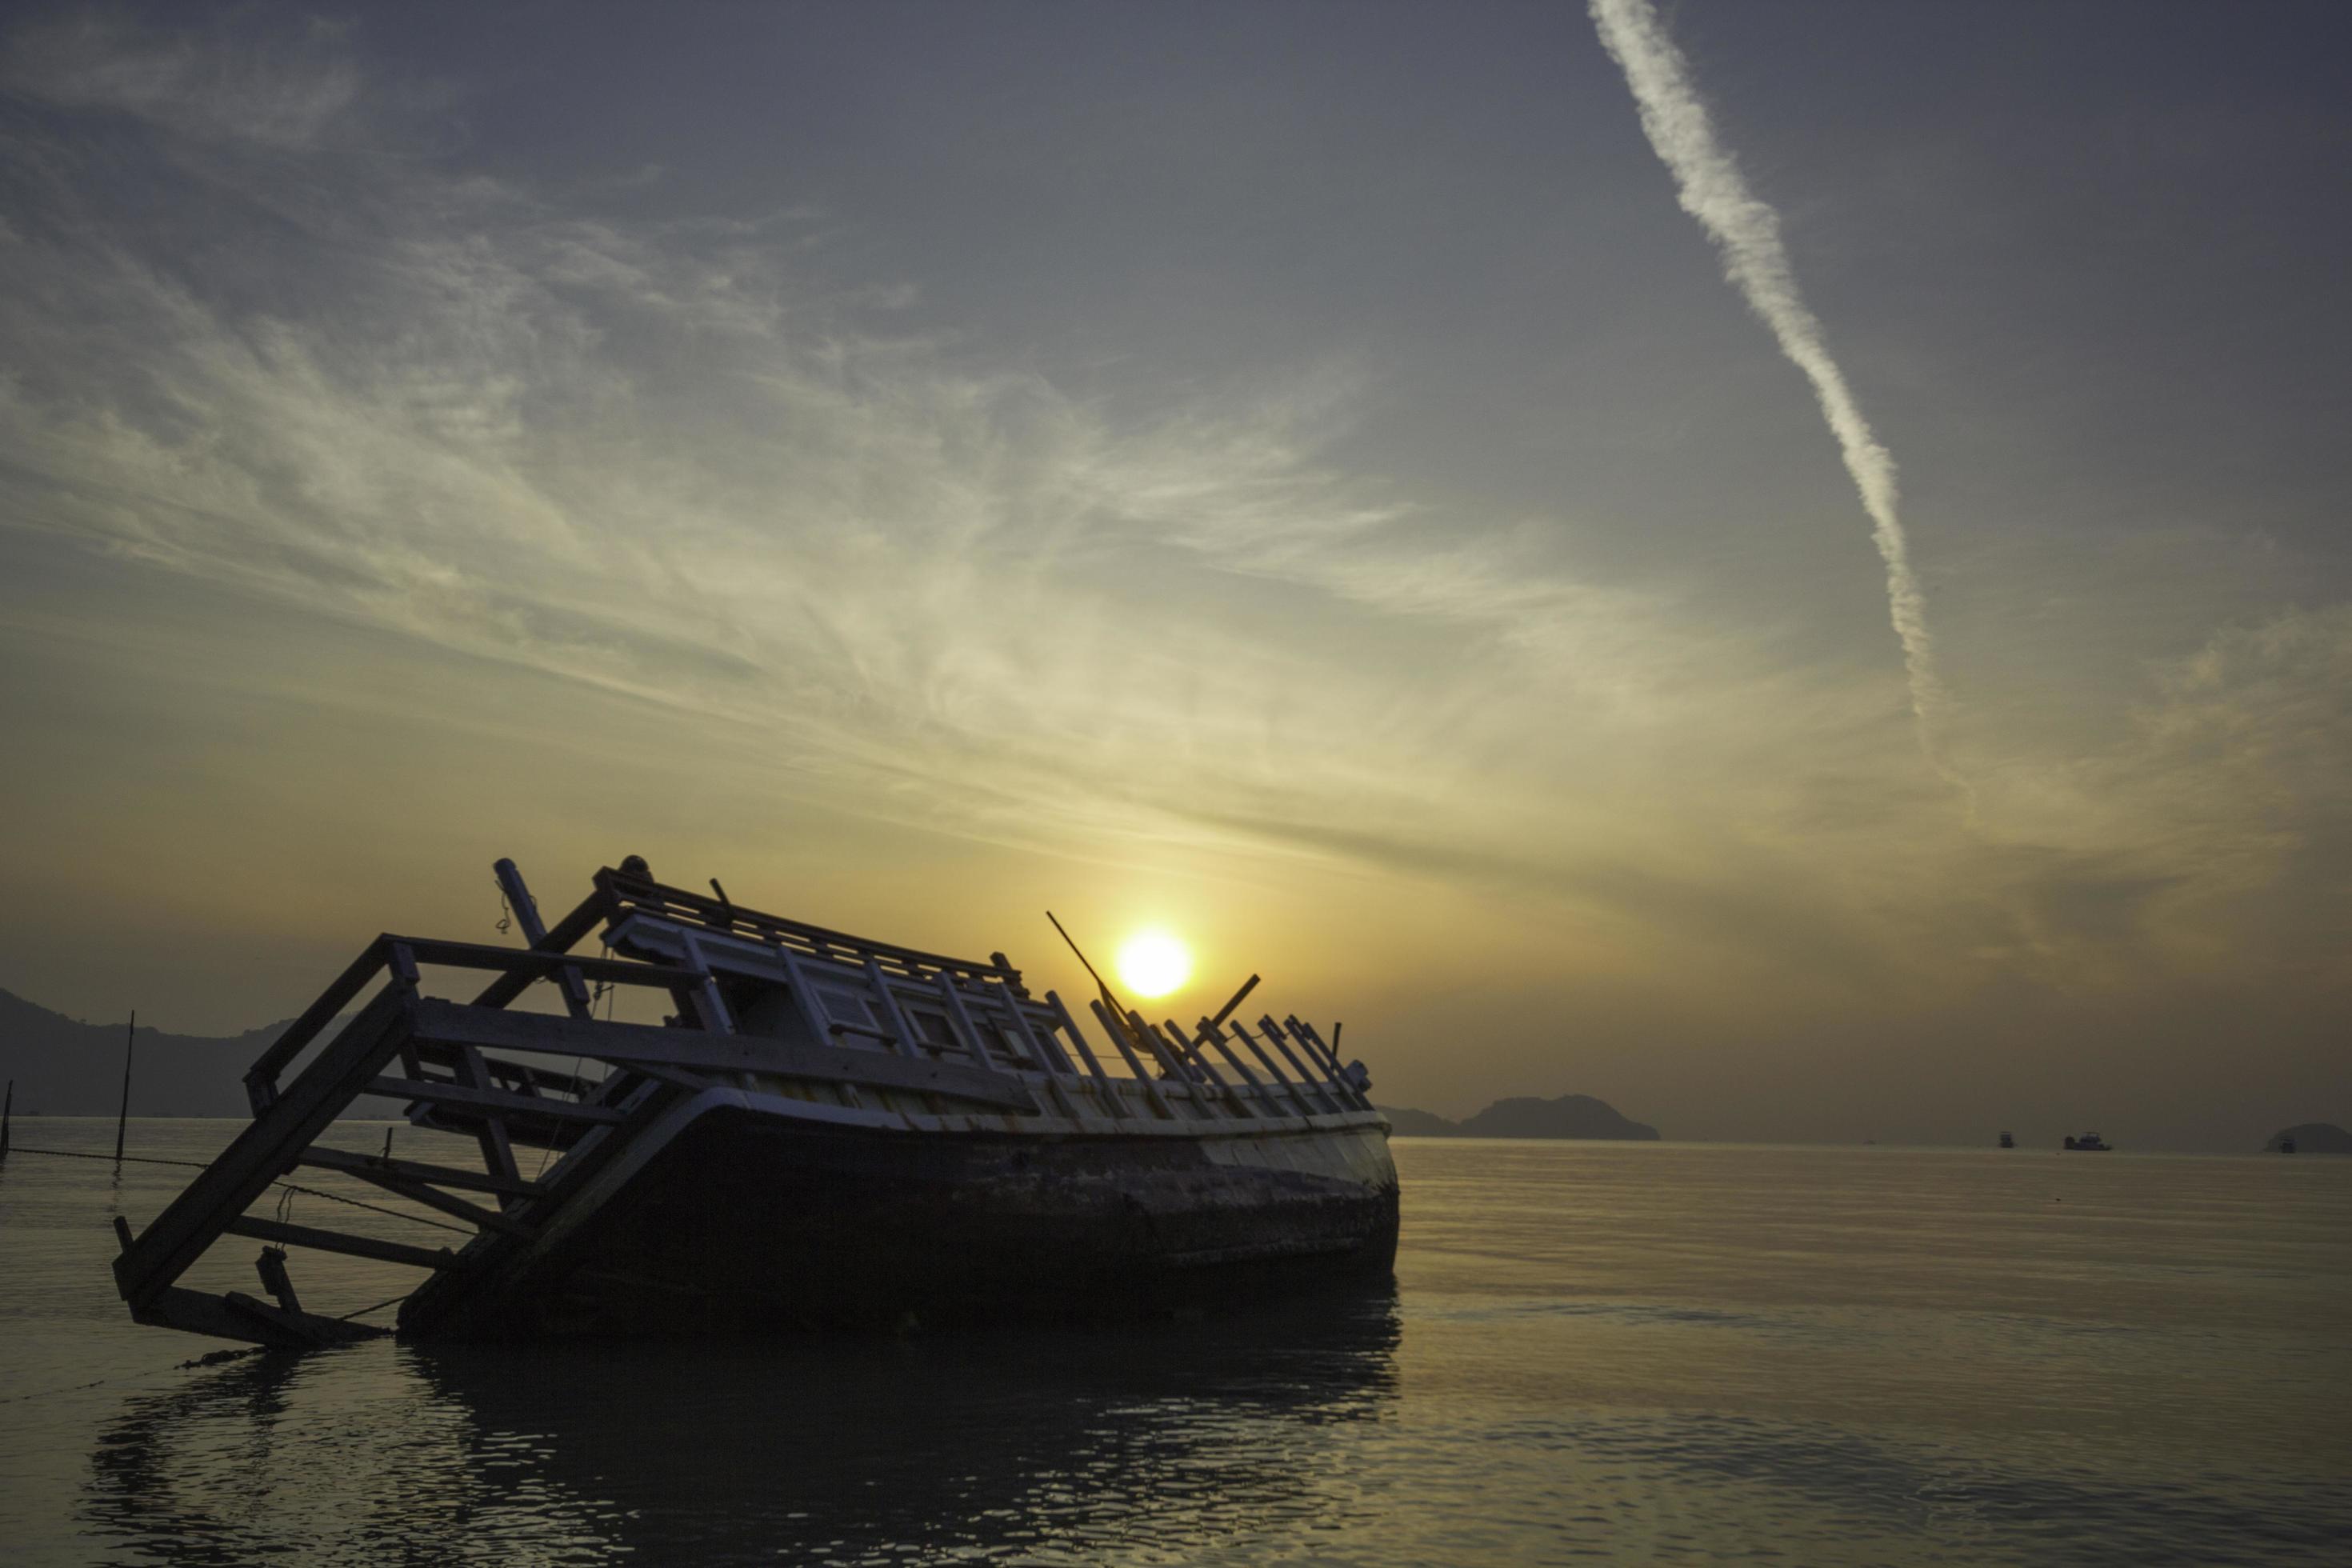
x: 396, y: 1023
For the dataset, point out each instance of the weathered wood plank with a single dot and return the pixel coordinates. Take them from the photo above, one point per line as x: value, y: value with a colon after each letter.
x: 242, y: 1318
x: 261, y: 1078
x: 340, y: 1241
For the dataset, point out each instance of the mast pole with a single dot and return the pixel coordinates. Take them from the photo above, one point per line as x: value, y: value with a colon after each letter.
x: 1112, y: 1001
x: 122, y: 1118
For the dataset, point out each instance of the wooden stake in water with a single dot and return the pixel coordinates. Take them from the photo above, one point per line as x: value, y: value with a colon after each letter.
x: 6, y: 1107
x: 130, y: 1039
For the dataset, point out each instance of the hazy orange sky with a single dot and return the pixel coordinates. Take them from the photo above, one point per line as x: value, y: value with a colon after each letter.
x: 1337, y: 481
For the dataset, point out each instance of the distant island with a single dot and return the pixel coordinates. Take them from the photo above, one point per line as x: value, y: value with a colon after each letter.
x: 2311, y: 1138
x: 62, y: 1066
x: 1569, y: 1116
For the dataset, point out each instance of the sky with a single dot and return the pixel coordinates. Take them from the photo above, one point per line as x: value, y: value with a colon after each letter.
x: 1784, y: 565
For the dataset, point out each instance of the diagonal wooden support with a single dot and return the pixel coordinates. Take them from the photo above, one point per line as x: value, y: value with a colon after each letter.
x: 1069, y: 1026
x: 490, y: 1134
x: 892, y: 1019
x: 562, y: 937
x: 1049, y: 1061
x: 1297, y: 1092
x: 1152, y: 1089
x: 960, y: 1019
x: 1304, y: 1034
x: 1309, y: 1079
x: 534, y: 930
x: 1261, y: 1101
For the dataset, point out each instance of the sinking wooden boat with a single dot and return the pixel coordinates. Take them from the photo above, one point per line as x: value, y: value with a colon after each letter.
x: 828, y: 1131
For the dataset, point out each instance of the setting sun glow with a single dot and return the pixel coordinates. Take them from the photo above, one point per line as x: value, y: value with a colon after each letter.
x: 1153, y: 964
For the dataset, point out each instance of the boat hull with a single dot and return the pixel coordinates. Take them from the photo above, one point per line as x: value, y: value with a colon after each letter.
x: 743, y: 1220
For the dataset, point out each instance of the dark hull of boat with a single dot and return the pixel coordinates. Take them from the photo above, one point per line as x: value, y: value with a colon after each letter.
x: 748, y: 1222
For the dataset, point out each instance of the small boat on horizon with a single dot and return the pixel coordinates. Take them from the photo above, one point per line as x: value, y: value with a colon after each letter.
x: 2008, y: 1140
x: 2090, y: 1143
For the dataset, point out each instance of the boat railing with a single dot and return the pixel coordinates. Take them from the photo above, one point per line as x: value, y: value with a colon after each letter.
x: 625, y: 891
x: 839, y: 990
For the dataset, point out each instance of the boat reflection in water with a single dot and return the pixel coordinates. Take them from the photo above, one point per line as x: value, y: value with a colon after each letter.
x: 1198, y: 1435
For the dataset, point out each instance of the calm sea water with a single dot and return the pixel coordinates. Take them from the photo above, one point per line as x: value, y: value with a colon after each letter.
x: 1632, y: 1352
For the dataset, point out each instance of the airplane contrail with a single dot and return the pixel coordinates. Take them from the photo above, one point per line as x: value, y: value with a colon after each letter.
x: 1748, y: 232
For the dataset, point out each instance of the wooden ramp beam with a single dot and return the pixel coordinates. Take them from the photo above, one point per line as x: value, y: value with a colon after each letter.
x: 237, y: 1316
x: 368, y: 1166
x: 342, y: 1241
x: 493, y: 1101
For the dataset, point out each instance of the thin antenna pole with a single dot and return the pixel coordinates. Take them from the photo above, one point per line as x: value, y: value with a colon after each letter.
x: 1117, y: 1011
x: 130, y: 1039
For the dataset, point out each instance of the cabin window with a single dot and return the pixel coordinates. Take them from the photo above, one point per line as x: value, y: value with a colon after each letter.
x: 845, y: 1006
x: 933, y: 1029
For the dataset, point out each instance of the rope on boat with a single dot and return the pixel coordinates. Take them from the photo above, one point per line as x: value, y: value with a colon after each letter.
x: 605, y: 993
x: 84, y: 1154
x: 289, y: 1188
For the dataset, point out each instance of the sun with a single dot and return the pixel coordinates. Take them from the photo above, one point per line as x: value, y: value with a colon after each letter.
x: 1153, y: 964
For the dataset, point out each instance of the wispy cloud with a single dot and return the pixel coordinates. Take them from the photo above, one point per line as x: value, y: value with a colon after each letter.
x: 240, y: 81
x: 678, y: 462
x: 1747, y: 230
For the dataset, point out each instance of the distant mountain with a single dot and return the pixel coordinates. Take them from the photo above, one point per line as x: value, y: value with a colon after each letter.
x: 62, y: 1068
x: 1420, y: 1123
x: 2313, y: 1138
x: 1569, y: 1116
